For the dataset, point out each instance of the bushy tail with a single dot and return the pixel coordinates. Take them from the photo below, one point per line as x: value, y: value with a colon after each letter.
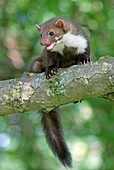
x: 54, y: 135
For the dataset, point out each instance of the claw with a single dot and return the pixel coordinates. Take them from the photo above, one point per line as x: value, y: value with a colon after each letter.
x: 86, y: 61
x: 91, y: 61
x: 51, y: 71
x: 80, y: 63
x: 48, y: 76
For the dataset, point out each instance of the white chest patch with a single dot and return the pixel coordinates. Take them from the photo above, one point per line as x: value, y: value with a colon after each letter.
x: 70, y: 40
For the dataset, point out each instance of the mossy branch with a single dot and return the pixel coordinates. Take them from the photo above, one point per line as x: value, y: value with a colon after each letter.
x: 34, y: 92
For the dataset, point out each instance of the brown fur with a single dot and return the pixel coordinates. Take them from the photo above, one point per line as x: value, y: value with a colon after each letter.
x: 49, y: 62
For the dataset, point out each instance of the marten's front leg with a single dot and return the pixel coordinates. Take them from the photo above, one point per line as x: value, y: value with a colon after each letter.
x: 54, y: 62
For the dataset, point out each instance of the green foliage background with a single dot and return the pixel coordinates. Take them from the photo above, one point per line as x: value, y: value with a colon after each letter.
x: 89, y: 126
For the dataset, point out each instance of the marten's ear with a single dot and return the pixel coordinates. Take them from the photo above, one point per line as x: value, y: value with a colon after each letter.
x: 38, y: 26
x: 60, y: 23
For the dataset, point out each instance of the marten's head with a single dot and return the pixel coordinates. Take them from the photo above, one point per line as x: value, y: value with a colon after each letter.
x: 52, y: 32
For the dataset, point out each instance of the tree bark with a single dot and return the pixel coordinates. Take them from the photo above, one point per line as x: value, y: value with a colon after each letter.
x: 35, y: 92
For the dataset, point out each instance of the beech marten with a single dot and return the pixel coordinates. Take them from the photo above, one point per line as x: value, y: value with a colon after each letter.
x: 66, y: 44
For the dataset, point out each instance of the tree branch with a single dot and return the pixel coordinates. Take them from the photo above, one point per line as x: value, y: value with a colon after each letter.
x: 34, y: 92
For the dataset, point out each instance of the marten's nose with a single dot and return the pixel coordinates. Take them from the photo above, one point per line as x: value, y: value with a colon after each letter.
x: 42, y: 42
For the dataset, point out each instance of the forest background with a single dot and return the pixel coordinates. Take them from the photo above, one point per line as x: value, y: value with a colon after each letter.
x: 89, y: 125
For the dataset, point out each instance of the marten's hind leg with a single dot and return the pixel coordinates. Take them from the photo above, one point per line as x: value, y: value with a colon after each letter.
x: 38, y: 65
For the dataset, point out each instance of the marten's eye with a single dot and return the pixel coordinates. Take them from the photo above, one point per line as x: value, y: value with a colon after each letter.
x: 51, y: 33
x: 41, y: 35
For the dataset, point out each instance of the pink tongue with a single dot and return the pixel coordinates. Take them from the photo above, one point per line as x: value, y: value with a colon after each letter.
x: 50, y: 46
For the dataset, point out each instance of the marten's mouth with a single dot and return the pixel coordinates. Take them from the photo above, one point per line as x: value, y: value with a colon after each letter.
x: 50, y: 46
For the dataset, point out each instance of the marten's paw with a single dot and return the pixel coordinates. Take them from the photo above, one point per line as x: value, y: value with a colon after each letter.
x: 85, y: 61
x: 51, y: 71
